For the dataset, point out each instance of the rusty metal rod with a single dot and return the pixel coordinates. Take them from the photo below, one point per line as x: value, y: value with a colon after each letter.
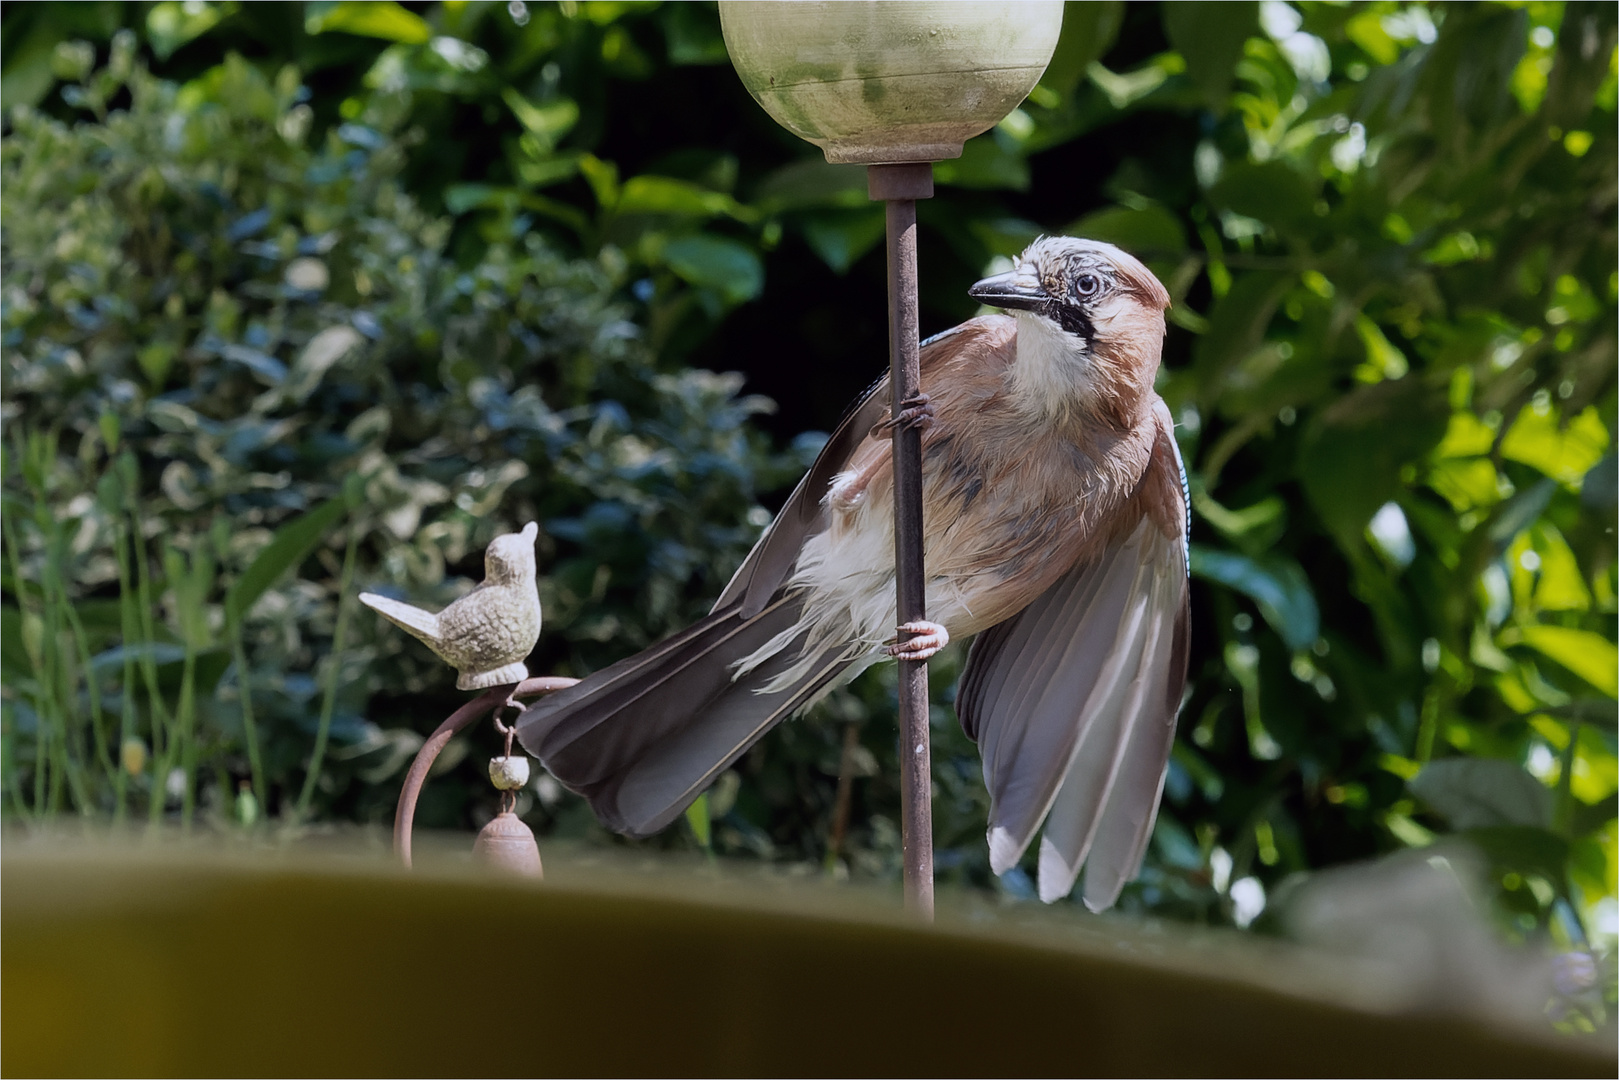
x: 900, y: 186
x: 462, y: 718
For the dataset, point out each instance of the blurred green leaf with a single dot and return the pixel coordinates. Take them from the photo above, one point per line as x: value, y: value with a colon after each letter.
x: 1211, y: 36
x: 13, y: 656
x: 1268, y: 191
x: 701, y: 827
x: 1352, y: 455
x: 1522, y: 849
x: 290, y: 546
x: 1236, y: 328
x: 1253, y: 529
x: 27, y: 74
x: 1088, y: 31
x: 986, y: 165
x: 716, y: 262
x: 841, y: 237
x: 812, y: 182
x: 1474, y: 793
x: 693, y: 39
x: 171, y: 24
x: 1148, y: 232
x: 1276, y: 584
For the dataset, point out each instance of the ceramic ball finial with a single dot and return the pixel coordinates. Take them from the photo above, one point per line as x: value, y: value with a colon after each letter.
x: 488, y: 633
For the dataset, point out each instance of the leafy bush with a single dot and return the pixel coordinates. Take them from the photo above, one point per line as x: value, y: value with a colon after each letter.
x: 220, y: 338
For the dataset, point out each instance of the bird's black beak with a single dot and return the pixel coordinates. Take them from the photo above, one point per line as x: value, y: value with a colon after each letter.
x: 1015, y: 289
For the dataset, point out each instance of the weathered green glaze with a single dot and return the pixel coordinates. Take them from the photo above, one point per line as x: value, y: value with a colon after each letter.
x: 893, y: 81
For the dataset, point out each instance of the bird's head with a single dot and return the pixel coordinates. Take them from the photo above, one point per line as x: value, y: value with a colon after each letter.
x: 510, y: 557
x: 1090, y: 325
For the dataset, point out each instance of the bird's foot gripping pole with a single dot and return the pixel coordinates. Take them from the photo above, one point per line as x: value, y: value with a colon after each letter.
x: 917, y: 640
x: 914, y: 412
x: 898, y: 187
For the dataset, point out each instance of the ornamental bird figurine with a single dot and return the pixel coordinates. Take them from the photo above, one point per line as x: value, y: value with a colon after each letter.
x: 488, y: 633
x: 1055, y: 520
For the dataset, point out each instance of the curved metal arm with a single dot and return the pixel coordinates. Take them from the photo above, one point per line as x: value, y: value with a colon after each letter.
x: 462, y: 718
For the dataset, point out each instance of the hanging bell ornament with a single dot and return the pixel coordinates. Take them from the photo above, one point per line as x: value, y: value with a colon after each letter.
x: 508, y: 844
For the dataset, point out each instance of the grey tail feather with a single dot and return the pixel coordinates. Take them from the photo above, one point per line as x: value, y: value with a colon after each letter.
x: 642, y: 738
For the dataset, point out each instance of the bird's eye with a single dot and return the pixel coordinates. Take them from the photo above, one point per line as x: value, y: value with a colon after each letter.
x: 1087, y: 284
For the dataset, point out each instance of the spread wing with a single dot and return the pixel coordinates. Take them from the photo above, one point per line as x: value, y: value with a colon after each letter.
x: 773, y: 556
x: 1073, y: 700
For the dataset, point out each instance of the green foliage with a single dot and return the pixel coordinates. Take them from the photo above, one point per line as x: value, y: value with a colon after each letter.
x: 233, y: 353
x: 1387, y: 229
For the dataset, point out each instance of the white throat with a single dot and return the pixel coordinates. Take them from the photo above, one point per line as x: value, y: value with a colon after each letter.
x: 1053, y: 374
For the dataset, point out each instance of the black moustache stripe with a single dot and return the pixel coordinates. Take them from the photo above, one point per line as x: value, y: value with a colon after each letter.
x: 1071, y: 319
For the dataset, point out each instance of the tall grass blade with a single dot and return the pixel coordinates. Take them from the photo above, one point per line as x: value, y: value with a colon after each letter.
x: 291, y: 545
x: 334, y: 668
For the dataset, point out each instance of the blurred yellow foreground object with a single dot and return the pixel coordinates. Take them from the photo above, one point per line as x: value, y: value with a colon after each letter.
x: 167, y: 960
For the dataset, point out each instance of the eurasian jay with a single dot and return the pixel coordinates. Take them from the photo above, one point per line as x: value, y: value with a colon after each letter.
x: 1055, y: 522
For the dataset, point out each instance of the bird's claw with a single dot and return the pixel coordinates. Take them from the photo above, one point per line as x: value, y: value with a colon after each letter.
x: 926, y: 638
x: 915, y: 412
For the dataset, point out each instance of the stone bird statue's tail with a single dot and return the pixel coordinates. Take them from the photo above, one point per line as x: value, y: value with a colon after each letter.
x: 413, y: 620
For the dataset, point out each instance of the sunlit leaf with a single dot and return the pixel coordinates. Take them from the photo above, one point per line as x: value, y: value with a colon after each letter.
x: 1560, y: 586
x: 1466, y: 483
x: 379, y: 19
x: 665, y: 195
x: 1565, y: 455
x: 1589, y: 655
x: 1466, y: 436
x: 1383, y: 359
x: 697, y: 818
x: 1124, y: 90
x: 549, y: 121
x: 1366, y: 30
